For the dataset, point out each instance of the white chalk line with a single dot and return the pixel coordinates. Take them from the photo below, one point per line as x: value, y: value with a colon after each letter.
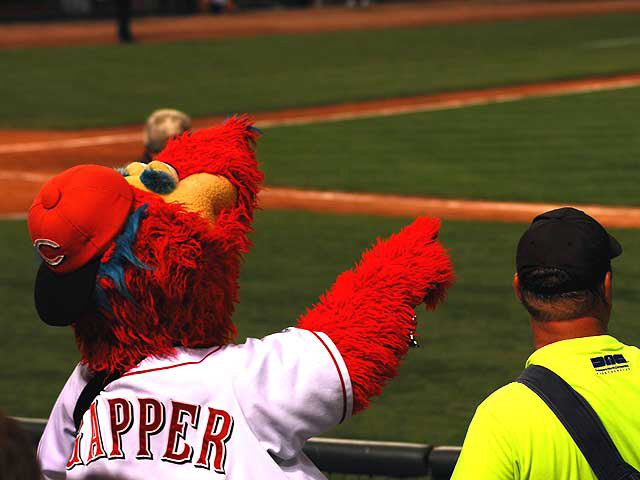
x: 433, y: 105
x: 614, y: 42
x: 448, y: 104
x: 18, y: 175
x: 71, y: 143
x: 13, y: 216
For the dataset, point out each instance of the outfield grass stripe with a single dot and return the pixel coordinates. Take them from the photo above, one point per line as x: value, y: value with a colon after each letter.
x: 371, y: 109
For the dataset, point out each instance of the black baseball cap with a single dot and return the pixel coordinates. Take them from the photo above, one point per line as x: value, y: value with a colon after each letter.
x: 61, y: 299
x: 569, y: 240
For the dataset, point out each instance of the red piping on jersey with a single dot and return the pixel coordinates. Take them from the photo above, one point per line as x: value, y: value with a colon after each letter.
x: 173, y: 366
x: 344, y: 389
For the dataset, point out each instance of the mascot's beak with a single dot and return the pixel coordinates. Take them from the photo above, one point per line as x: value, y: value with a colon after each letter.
x: 202, y: 193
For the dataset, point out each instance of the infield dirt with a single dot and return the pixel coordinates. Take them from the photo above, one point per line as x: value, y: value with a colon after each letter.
x: 280, y: 21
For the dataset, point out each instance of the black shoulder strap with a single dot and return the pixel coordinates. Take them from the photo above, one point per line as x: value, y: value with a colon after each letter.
x: 91, y: 390
x: 580, y: 420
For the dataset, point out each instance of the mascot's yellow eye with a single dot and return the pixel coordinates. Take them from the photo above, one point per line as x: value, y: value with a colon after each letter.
x: 156, y: 177
x: 135, y: 168
x: 163, y: 167
x: 203, y: 193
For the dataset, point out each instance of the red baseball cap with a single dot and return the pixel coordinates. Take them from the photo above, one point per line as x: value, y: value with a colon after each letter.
x: 72, y: 221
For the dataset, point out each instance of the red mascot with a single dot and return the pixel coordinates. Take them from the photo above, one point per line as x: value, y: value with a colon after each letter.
x: 143, y: 263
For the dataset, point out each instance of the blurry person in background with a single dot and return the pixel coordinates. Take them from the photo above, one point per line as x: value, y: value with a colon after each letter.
x: 17, y: 453
x: 159, y: 128
x: 123, y: 18
x: 221, y: 6
x: 358, y: 3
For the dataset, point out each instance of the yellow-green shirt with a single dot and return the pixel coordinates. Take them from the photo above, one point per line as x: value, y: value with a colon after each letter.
x: 514, y: 434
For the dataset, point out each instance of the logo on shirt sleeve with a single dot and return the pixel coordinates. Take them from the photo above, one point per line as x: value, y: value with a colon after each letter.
x: 610, y: 363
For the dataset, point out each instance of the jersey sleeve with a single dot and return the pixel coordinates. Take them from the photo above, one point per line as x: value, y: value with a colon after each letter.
x: 56, y: 442
x: 486, y: 452
x: 291, y: 386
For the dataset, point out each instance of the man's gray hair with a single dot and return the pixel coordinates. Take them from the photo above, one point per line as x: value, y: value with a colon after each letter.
x: 162, y: 125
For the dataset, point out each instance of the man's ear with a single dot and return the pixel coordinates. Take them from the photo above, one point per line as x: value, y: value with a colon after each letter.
x: 516, y: 286
x: 608, y: 291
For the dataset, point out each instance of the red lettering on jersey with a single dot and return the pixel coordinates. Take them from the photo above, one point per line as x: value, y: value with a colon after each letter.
x: 178, y: 432
x: 152, y: 419
x: 121, y: 413
x: 96, y: 447
x: 216, y: 436
x: 75, y: 456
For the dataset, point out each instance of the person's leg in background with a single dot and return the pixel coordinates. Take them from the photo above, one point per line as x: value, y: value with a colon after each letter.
x: 123, y: 16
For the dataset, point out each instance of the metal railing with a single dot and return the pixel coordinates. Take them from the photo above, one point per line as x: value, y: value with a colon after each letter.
x: 355, y: 457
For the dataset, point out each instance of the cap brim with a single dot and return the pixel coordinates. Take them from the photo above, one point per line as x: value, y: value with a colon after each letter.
x: 615, y: 247
x: 62, y: 299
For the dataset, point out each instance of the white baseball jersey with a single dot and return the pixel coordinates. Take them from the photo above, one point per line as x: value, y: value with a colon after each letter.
x: 232, y: 412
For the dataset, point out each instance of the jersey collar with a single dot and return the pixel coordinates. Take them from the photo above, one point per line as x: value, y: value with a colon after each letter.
x: 574, y: 346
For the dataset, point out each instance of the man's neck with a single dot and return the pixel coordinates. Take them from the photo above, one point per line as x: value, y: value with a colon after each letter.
x: 545, y: 333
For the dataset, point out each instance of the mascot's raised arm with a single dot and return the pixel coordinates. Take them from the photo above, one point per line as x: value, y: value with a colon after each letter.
x: 143, y: 263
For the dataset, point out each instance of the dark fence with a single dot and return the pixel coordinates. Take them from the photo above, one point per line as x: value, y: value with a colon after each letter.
x: 28, y: 10
x: 360, y: 458
x: 14, y: 10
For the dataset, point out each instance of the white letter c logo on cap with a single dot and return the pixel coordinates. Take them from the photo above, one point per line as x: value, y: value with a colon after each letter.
x: 49, y: 243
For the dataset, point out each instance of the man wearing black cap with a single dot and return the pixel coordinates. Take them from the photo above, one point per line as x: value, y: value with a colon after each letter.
x: 563, y: 280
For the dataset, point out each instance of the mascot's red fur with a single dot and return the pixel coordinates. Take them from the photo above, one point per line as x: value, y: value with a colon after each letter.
x: 181, y: 290
x: 188, y: 297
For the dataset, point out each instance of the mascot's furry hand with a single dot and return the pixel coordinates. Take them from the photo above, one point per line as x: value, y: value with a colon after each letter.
x: 369, y: 312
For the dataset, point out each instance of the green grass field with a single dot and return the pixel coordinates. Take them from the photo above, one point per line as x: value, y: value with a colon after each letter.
x: 475, y: 342
x: 85, y: 86
x: 570, y: 149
